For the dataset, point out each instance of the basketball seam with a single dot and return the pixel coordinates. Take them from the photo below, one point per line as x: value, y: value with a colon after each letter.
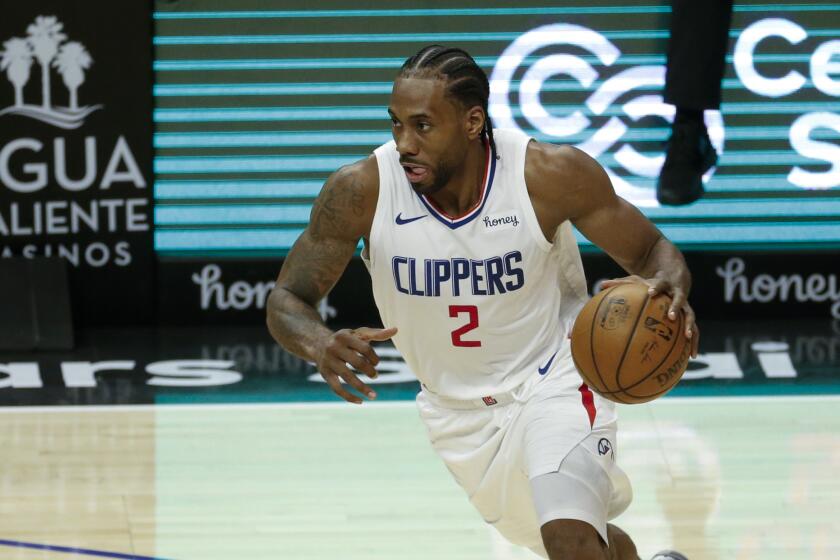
x: 670, y: 351
x: 686, y: 348
x: 667, y: 356
x: 615, y: 395
x: 630, y: 341
x: 592, y: 335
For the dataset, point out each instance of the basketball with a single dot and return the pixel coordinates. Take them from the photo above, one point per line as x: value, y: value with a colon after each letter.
x: 625, y: 346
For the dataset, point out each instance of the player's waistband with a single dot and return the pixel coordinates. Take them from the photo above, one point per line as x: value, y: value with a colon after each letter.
x: 518, y: 393
x: 494, y: 400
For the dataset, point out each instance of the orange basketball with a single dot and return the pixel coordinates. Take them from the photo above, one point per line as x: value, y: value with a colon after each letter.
x: 625, y: 346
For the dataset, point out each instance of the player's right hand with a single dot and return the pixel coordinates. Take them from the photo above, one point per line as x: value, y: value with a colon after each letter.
x: 351, y: 347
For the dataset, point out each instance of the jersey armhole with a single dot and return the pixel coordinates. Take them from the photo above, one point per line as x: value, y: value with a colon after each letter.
x: 525, y: 201
x: 381, y: 204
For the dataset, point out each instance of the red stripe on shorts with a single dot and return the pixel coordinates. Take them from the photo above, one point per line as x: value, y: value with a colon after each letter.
x: 588, y: 402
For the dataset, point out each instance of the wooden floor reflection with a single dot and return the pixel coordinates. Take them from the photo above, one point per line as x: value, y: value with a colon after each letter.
x: 720, y: 479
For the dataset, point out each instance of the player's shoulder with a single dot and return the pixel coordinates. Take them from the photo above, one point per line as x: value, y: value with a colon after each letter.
x: 556, y: 160
x: 559, y: 170
x: 351, y: 192
x: 362, y: 176
x: 357, y: 182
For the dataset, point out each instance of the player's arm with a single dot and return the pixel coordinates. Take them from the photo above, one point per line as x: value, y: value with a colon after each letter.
x: 341, y: 215
x: 571, y: 185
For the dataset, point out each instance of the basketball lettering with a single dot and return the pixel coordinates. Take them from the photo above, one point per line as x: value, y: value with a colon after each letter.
x: 626, y: 347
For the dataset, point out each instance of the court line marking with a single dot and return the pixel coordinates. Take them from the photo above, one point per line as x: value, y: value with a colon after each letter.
x: 385, y: 404
x: 72, y: 550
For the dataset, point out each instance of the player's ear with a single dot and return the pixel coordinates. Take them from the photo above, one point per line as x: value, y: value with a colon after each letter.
x: 474, y: 121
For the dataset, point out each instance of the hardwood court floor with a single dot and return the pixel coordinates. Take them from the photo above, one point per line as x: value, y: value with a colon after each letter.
x: 720, y: 479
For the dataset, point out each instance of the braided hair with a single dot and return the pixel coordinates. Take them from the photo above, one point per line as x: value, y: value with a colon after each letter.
x: 466, y: 81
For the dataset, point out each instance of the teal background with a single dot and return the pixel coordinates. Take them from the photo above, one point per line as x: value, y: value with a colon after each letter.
x: 255, y: 107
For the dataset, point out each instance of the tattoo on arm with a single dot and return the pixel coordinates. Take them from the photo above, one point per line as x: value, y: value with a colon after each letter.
x: 316, y: 262
x: 338, y: 209
x: 314, y: 267
x: 323, y: 251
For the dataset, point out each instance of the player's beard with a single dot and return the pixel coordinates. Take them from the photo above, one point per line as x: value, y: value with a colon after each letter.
x: 441, y: 174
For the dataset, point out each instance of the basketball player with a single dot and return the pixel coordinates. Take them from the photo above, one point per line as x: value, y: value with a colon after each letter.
x: 477, y: 277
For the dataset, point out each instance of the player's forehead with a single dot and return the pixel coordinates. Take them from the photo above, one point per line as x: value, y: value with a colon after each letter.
x: 413, y: 97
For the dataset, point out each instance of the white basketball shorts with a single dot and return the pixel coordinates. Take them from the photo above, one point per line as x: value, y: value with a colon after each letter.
x: 495, y: 453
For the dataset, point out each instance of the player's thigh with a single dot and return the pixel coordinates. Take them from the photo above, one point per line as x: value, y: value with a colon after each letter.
x: 579, y: 490
x: 556, y: 419
x: 587, y: 487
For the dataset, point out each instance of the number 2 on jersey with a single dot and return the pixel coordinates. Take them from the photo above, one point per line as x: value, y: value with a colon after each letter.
x: 472, y: 313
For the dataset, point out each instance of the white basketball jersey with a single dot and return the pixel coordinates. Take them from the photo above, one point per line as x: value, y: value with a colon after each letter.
x: 482, y: 301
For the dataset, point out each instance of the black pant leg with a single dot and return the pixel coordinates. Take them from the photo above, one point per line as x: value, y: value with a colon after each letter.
x: 697, y: 52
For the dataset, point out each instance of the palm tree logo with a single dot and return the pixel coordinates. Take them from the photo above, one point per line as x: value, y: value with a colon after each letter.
x: 44, y: 45
x: 72, y: 62
x: 16, y: 61
x: 44, y: 37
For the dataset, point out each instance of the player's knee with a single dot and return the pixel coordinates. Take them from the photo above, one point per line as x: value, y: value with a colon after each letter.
x: 567, y: 539
x: 621, y: 545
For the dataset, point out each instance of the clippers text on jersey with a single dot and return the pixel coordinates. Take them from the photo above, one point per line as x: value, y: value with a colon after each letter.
x: 457, y: 276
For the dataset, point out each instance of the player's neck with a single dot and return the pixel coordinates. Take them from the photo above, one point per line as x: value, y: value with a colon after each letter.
x: 464, y: 189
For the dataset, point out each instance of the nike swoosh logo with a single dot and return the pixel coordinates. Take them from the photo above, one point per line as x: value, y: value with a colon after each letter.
x: 402, y: 221
x: 543, y: 370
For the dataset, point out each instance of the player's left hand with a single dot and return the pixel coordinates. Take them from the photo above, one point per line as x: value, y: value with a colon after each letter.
x: 661, y: 284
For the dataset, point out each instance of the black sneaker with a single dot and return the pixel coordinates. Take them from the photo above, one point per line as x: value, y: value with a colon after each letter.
x: 690, y: 154
x: 668, y: 555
